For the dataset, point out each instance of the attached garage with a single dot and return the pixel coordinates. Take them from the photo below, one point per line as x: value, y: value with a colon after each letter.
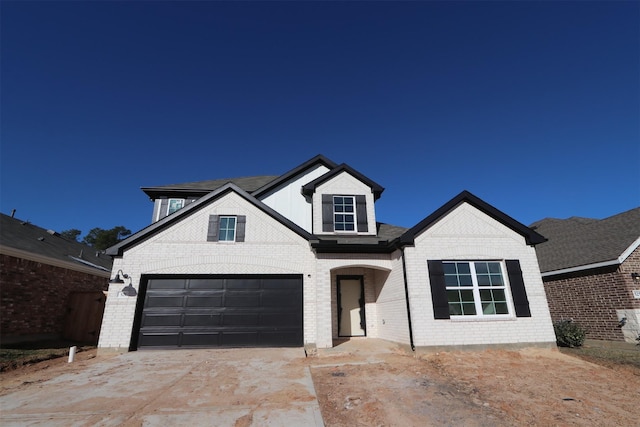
x: 219, y: 311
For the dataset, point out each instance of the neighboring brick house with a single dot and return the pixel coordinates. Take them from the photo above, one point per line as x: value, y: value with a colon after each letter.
x: 300, y: 259
x: 591, y: 273
x: 40, y: 273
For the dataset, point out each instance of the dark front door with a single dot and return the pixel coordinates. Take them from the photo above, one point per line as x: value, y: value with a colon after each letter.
x: 351, y: 320
x: 220, y: 311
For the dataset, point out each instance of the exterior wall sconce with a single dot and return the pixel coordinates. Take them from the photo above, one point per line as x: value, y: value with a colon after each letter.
x: 128, y: 290
x: 635, y: 276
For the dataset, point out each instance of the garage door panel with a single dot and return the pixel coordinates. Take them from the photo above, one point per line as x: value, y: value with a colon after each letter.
x: 202, y: 320
x: 206, y: 283
x: 219, y: 311
x: 278, y: 299
x: 204, y: 301
x: 200, y: 339
x: 166, y: 284
x: 159, y: 340
x: 292, y: 284
x: 241, y: 319
x: 280, y: 320
x: 149, y: 320
x: 243, y: 284
x: 241, y: 300
x: 154, y: 301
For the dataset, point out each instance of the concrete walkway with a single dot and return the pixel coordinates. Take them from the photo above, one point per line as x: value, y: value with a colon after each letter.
x: 229, y: 387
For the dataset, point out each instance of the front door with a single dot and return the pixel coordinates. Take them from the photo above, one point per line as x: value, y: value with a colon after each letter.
x: 351, y: 320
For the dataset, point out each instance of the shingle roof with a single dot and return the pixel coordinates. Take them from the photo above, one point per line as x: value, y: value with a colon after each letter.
x: 24, y: 236
x: 575, y: 241
x: 200, y: 188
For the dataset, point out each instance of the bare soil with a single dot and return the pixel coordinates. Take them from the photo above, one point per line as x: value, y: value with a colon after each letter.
x: 531, y: 387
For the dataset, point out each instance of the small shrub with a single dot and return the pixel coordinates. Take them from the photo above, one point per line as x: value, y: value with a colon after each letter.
x: 569, y: 334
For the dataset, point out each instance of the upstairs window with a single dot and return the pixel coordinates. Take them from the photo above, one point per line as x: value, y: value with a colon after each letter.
x: 475, y: 288
x: 344, y: 213
x: 175, y: 205
x: 226, y: 228
x: 227, y: 232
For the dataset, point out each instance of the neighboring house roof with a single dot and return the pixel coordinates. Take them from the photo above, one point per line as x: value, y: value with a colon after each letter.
x: 200, y: 188
x: 531, y: 237
x: 310, y: 188
x: 165, y: 222
x: 22, y: 239
x: 581, y: 243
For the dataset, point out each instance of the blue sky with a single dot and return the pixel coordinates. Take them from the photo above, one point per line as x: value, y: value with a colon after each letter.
x: 532, y: 106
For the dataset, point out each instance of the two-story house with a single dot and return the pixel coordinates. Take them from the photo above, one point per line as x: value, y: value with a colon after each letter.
x: 301, y: 259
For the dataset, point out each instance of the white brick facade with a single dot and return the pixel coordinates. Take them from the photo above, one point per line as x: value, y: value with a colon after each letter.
x: 178, y: 245
x: 269, y: 248
x: 468, y: 234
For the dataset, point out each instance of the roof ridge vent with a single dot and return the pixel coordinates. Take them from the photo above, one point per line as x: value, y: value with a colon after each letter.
x: 53, y: 232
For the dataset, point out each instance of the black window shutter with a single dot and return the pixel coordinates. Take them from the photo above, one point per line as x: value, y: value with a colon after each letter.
x: 241, y: 221
x: 438, y: 290
x: 164, y: 205
x: 361, y: 214
x: 520, y: 300
x: 327, y: 212
x: 212, y: 233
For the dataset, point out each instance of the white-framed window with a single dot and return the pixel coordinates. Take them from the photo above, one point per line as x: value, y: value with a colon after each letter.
x: 344, y: 213
x: 227, y: 230
x: 174, y: 205
x: 476, y: 288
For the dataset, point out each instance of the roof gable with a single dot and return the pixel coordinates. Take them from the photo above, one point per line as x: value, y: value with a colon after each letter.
x: 309, y: 164
x: 310, y: 188
x: 183, y: 213
x: 581, y: 243
x: 531, y: 237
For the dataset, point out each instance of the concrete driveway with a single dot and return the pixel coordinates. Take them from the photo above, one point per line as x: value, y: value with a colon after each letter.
x: 228, y: 387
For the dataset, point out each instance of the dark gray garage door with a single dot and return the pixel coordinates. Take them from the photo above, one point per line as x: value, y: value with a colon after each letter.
x: 215, y: 311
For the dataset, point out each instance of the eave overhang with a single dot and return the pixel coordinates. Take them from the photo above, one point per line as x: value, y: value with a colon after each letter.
x: 310, y: 188
x: 333, y: 246
x: 531, y: 237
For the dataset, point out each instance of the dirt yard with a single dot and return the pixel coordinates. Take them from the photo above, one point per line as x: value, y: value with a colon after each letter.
x: 530, y: 387
x: 490, y: 388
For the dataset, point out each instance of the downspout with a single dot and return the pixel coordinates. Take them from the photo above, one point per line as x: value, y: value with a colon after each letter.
x: 406, y: 293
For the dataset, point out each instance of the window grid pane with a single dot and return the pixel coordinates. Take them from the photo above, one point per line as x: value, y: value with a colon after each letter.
x: 227, y: 232
x: 175, y: 205
x: 475, y: 288
x: 343, y: 216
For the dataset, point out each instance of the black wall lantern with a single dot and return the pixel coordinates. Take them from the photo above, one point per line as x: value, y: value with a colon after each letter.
x: 128, y: 290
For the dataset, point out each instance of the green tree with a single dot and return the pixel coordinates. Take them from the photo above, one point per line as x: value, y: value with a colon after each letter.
x: 72, y: 234
x: 102, y: 239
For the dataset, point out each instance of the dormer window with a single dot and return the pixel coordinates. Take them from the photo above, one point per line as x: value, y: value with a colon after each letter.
x: 174, y: 205
x: 344, y: 213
